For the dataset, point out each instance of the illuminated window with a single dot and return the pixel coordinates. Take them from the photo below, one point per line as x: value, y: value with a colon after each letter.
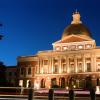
x: 98, y: 67
x: 55, y: 68
x: 58, y: 48
x: 80, y: 67
x: 80, y: 47
x: 88, y: 67
x: 65, y: 47
x: 72, y: 70
x: 64, y: 68
x: 88, y: 46
x: 45, y: 69
x: 20, y: 82
x: 45, y: 62
x: 73, y: 47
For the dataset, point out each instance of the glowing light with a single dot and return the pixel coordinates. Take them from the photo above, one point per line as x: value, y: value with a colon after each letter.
x: 36, y: 86
x: 97, y: 89
x: 74, y: 86
x: 80, y: 46
x: 27, y: 83
x: 64, y: 48
x: 57, y: 48
x: 20, y: 82
x: 67, y: 87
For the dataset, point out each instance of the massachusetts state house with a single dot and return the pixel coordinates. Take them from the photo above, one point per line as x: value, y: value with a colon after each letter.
x: 73, y: 62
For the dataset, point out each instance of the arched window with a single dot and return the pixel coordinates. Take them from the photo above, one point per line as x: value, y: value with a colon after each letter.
x: 62, y: 82
x: 53, y: 82
x: 42, y: 83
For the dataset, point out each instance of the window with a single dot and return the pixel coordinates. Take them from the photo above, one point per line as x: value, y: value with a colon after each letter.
x: 80, y: 47
x: 45, y: 69
x: 45, y: 62
x: 88, y: 67
x: 72, y: 70
x: 65, y: 48
x: 56, y: 69
x: 22, y: 71
x: 73, y: 47
x: 98, y: 67
x: 98, y: 57
x: 88, y: 46
x: 10, y: 73
x: 29, y: 71
x: 58, y: 48
x: 80, y: 67
x: 64, y: 68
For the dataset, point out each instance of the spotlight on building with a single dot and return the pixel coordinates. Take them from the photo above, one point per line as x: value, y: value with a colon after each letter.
x: 74, y: 86
x: 36, y: 86
x: 67, y: 87
x: 97, y: 90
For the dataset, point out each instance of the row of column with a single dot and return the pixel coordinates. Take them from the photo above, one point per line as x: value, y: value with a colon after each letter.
x: 50, y: 65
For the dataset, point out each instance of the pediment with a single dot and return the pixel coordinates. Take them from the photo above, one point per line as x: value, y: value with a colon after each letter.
x: 74, y: 38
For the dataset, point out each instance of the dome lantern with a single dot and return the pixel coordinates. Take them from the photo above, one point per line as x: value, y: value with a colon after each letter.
x: 76, y: 18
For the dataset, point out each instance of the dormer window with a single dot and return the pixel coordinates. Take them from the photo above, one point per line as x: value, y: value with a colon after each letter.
x: 88, y: 46
x: 80, y: 47
x: 65, y: 48
x: 57, y: 48
x: 73, y: 47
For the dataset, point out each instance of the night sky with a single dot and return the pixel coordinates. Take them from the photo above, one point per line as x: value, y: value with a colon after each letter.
x: 30, y: 26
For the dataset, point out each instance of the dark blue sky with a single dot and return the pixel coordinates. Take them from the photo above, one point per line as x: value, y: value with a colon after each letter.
x: 30, y: 26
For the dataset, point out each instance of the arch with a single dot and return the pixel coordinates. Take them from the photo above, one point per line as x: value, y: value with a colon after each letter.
x: 42, y: 83
x: 53, y: 82
x: 88, y: 82
x: 62, y: 82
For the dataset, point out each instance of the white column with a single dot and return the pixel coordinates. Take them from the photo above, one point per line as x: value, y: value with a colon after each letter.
x: 83, y: 63
x: 49, y: 65
x: 36, y: 68
x: 60, y: 69
x: 75, y: 63
x: 40, y: 65
x: 67, y: 59
x: 52, y: 64
x: 94, y: 62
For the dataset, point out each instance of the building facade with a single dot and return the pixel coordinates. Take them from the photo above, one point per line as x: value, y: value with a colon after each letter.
x: 11, y: 75
x: 73, y: 62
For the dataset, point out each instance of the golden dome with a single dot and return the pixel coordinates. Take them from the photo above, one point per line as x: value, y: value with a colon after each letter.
x: 76, y: 27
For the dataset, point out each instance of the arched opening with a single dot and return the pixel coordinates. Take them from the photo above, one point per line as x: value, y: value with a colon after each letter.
x: 62, y: 82
x: 72, y: 82
x: 28, y: 83
x: 88, y: 82
x: 98, y: 81
x: 53, y: 82
x: 42, y: 83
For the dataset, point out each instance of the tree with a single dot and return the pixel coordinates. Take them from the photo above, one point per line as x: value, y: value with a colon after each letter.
x: 3, y: 80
